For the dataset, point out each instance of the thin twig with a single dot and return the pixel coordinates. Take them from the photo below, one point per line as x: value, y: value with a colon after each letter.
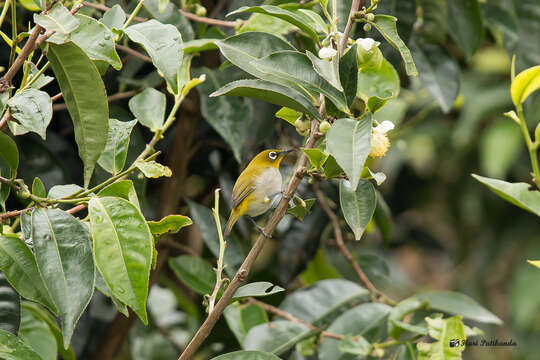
x: 174, y: 244
x: 222, y: 246
x: 105, y: 8
x: 111, y: 98
x: 208, y: 21
x: 343, y: 248
x: 133, y: 53
x: 354, y: 8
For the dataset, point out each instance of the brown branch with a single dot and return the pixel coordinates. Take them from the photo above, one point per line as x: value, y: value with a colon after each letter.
x: 56, y: 97
x: 111, y: 98
x: 208, y: 21
x: 243, y: 272
x: 334, y: 219
x: 354, y: 8
x: 288, y: 316
x: 133, y: 53
x: 105, y: 8
x: 176, y: 245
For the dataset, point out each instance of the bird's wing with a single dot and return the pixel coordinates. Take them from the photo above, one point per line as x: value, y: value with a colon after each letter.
x: 240, y: 192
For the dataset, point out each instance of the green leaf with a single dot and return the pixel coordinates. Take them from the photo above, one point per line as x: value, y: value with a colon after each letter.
x: 14, y: 348
x: 38, y: 188
x: 59, y: 20
x: 275, y: 337
x: 365, y: 320
x: 348, y: 65
x: 64, y: 256
x: 247, y: 355
x: 152, y: 169
x: 242, y: 317
x: 170, y: 224
x: 33, y: 110
x: 171, y: 15
x: 518, y: 194
x: 114, y: 155
x: 299, y: 211
x: 439, y: 73
x: 9, y: 152
x: 465, y: 24
x: 501, y: 143
x: 123, y: 189
x: 377, y: 85
x: 78, y: 77
x: 316, y: 157
x: 164, y: 45
x: 270, y: 92
x: 457, y: 303
x: 10, y: 307
x: 357, y: 205
x: 41, y: 81
x: 20, y: 268
x: 435, y: 25
x: 403, y: 308
x: 293, y: 69
x: 102, y: 287
x: 256, y: 289
x: 349, y: 141
x: 198, y: 274
x: 534, y: 263
x: 306, y: 20
x: 114, y: 18
x: 319, y: 302
x: 60, y: 191
x: 96, y: 40
x: 123, y: 248
x: 266, y: 23
x: 524, y: 84
x: 38, y: 335
x: 383, y: 218
x: 331, y: 168
x: 329, y: 70
x: 289, y: 115
x: 204, y: 220
x: 318, y: 269
x: 386, y: 25
x: 30, y: 5
x: 443, y: 330
x: 355, y: 345
x: 243, y: 49
x: 149, y: 108
x: 199, y: 45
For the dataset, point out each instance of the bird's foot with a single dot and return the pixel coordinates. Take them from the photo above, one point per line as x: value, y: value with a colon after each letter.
x: 261, y: 229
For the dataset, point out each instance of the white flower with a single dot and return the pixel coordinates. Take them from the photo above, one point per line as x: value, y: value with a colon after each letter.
x: 366, y: 43
x: 379, y: 177
x: 379, y: 140
x: 327, y: 52
x: 384, y: 127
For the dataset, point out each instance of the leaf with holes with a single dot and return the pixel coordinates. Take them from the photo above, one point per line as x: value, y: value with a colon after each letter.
x: 59, y: 20
x: 153, y: 169
x: 33, y: 110
x: 170, y: 224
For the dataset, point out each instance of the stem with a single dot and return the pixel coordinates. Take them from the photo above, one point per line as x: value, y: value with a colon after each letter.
x: 208, y: 21
x: 354, y: 8
x: 530, y: 145
x: 35, y: 77
x: 102, y: 7
x: 132, y: 16
x: 13, y: 33
x: 4, y: 11
x: 222, y: 246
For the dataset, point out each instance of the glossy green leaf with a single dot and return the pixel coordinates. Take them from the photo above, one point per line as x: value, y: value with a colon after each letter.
x: 247, y: 355
x: 102, y: 287
x: 114, y: 18
x: 349, y: 141
x: 386, y: 25
x: 365, y: 320
x: 30, y: 5
x: 164, y: 45
x: 9, y: 152
x: 59, y: 20
x: 457, y: 303
x: 524, y: 84
x: 60, y: 191
x: 38, y: 188
x: 319, y: 302
x: 123, y: 248
x: 123, y: 189
x: 149, y: 108
x: 299, y: 211
x: 64, y: 256
x: 198, y: 274
x: 152, y: 169
x: 266, y: 23
x: 348, y: 65
x: 399, y: 311
x: 444, y: 331
x: 38, y: 335
x: 329, y: 70
x: 355, y: 345
x: 293, y: 69
x: 439, y: 73
x: 171, y: 15
x: 357, y: 205
x: 14, y: 348
x: 332, y: 168
x: 114, y: 155
x: 78, y: 77
x: 256, y: 289
x: 96, y: 40
x: 10, y: 307
x: 465, y: 24
x: 170, y: 224
x: 242, y: 317
x: 289, y: 115
x: 306, y: 20
x: 20, y: 268
x: 270, y: 92
x: 199, y: 45
x: 32, y: 109
x: 380, y: 83
x: 518, y: 194
x: 316, y: 157
x: 275, y: 337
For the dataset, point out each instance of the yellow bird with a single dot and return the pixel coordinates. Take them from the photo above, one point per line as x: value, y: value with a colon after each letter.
x: 256, y: 187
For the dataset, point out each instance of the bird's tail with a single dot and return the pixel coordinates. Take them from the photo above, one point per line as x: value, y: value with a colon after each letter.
x: 233, y: 218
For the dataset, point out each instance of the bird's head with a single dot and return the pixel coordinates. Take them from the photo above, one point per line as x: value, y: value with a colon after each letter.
x: 270, y: 157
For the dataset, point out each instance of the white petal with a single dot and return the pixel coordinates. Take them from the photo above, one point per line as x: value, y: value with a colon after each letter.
x: 327, y: 53
x: 379, y: 177
x: 384, y: 127
x: 366, y: 43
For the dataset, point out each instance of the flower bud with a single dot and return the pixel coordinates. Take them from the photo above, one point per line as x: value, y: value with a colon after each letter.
x: 324, y: 127
x: 327, y: 52
x: 370, y: 16
x: 367, y: 27
x: 200, y: 10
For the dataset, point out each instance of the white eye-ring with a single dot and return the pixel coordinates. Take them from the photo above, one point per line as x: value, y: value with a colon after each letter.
x: 272, y: 155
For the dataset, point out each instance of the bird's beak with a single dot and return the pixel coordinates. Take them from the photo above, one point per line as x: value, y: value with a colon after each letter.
x: 285, y: 152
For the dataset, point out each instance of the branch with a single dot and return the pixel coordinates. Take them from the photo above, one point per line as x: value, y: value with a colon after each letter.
x: 208, y: 21
x: 354, y: 8
x: 134, y: 53
x: 243, y: 272
x: 343, y: 248
x: 111, y: 98
x: 105, y: 8
x: 222, y: 246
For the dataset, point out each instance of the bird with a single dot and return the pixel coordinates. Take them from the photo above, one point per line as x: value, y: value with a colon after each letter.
x: 256, y: 187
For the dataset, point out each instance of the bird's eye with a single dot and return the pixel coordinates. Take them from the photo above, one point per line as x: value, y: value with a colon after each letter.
x: 272, y: 155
